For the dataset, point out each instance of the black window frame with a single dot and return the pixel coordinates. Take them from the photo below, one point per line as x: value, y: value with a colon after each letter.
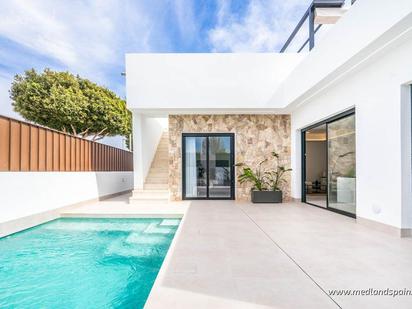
x: 327, y: 121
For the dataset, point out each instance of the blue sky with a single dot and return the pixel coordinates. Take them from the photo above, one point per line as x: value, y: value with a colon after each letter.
x: 91, y: 37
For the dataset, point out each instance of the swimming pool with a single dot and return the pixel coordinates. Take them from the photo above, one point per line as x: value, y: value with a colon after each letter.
x: 83, y: 263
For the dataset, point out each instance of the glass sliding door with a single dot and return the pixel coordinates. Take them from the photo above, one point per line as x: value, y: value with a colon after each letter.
x: 220, y: 163
x: 329, y: 164
x: 342, y: 165
x: 195, y: 154
x: 316, y: 166
x: 208, y: 166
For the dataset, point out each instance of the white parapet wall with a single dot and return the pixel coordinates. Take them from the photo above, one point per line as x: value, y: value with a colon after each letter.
x: 24, y: 194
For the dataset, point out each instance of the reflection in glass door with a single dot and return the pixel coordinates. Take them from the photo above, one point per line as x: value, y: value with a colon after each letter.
x: 342, y: 165
x: 195, y: 166
x: 329, y: 164
x: 316, y: 166
x: 208, y: 161
x: 220, y: 178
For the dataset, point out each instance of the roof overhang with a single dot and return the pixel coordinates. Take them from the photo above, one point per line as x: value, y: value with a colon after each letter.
x: 206, y: 83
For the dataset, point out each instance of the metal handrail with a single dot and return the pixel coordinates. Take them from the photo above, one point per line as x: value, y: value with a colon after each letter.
x: 309, y: 14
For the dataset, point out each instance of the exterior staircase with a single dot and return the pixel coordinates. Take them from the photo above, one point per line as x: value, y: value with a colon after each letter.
x: 156, y: 186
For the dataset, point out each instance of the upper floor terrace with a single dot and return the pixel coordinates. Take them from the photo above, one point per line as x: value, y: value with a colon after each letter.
x: 161, y: 84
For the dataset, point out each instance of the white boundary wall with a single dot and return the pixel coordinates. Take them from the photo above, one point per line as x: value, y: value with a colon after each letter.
x: 27, y: 193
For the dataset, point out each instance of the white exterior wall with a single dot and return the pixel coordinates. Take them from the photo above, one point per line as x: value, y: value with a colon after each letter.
x: 205, y: 83
x: 146, y: 135
x: 377, y: 90
x: 28, y: 193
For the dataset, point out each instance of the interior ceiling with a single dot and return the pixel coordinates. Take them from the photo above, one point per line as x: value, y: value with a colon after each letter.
x: 319, y: 129
x: 317, y: 134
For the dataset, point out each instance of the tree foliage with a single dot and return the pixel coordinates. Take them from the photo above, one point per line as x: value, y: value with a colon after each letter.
x: 63, y: 101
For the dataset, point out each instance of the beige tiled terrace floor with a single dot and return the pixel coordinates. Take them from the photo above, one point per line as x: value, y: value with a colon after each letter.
x: 228, y: 255
x: 231, y: 255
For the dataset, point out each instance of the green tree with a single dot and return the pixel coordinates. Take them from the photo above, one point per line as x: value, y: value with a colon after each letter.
x: 69, y: 103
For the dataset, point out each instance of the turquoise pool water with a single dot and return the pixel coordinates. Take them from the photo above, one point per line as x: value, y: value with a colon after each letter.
x: 83, y: 263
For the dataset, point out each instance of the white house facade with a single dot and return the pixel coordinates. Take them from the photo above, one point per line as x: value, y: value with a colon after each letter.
x: 339, y: 116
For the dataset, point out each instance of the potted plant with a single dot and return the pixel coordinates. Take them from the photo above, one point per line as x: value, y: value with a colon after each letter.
x: 265, y: 184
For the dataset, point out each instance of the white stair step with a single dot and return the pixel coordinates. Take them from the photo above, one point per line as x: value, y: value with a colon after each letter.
x: 158, y: 173
x: 159, y: 169
x: 163, y: 172
x: 161, y: 160
x: 157, y: 177
x: 160, y: 164
x: 161, y: 157
x: 156, y: 186
x: 156, y: 180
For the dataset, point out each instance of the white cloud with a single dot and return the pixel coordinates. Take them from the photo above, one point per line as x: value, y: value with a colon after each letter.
x: 86, y: 37
x: 264, y: 27
x: 186, y: 19
x: 89, y: 38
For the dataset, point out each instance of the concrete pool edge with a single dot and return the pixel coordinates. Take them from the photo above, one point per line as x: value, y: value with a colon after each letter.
x: 166, y: 262
x: 112, y: 206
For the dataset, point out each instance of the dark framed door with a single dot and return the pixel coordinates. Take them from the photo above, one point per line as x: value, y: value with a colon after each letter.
x: 329, y: 164
x: 208, y: 166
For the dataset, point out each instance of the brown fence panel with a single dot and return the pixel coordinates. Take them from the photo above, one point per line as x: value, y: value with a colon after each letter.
x: 49, y: 151
x: 14, y: 146
x: 86, y: 155
x: 4, y: 144
x: 72, y: 154
x: 62, y: 153
x: 56, y: 149
x: 42, y: 150
x: 34, y: 149
x: 67, y: 157
x: 24, y: 147
x: 28, y: 147
x: 82, y: 155
x: 100, y: 157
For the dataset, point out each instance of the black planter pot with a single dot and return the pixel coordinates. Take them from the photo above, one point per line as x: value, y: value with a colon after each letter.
x: 266, y: 196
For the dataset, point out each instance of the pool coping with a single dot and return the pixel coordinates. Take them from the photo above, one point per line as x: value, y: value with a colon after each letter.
x: 167, y: 260
x: 80, y: 210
